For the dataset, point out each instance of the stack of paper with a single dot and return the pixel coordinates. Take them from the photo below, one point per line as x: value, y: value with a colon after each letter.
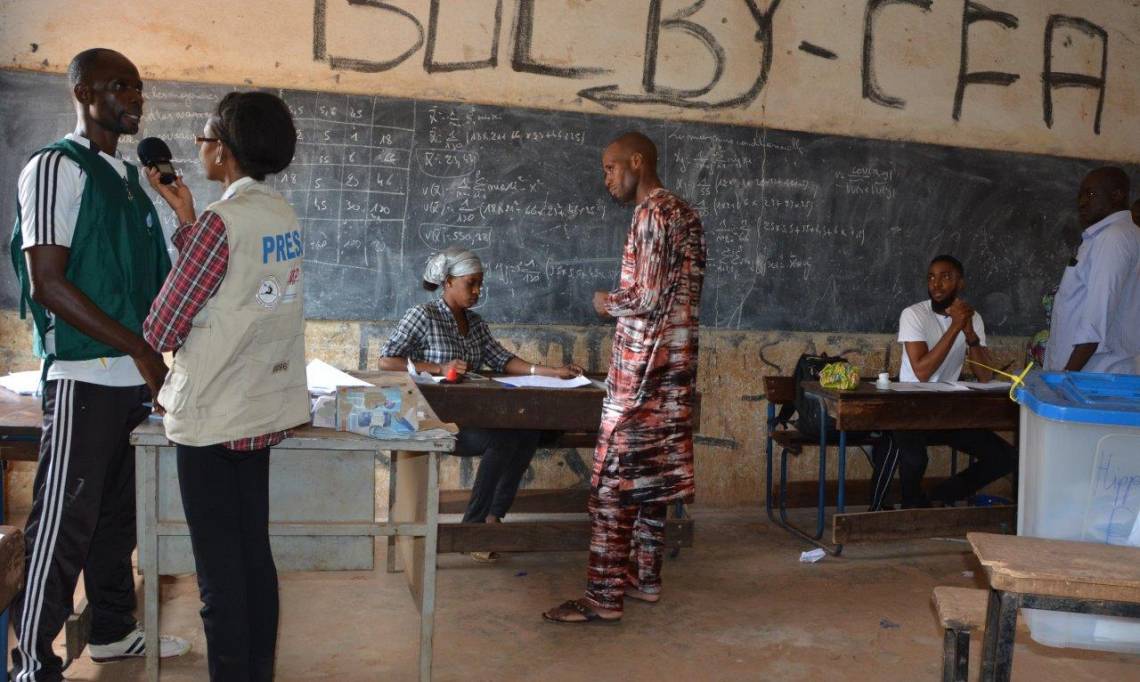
x: 323, y: 378
x: 543, y: 382
x: 24, y: 383
x: 988, y: 386
x: 926, y: 386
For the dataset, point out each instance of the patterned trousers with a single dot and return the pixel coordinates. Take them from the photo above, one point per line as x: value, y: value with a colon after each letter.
x: 627, y: 543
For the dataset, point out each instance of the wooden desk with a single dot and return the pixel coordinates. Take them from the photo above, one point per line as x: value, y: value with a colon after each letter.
x: 867, y: 408
x: 21, y: 420
x: 322, y: 514
x: 483, y: 403
x: 1055, y: 575
x: 489, y: 404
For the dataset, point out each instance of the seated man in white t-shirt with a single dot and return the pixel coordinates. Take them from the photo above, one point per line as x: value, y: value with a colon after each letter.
x: 937, y: 335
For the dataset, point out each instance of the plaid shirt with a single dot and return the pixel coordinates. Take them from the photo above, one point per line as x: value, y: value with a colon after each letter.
x: 429, y: 333
x: 203, y: 256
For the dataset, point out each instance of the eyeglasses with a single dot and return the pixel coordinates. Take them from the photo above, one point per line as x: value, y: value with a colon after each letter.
x: 203, y: 140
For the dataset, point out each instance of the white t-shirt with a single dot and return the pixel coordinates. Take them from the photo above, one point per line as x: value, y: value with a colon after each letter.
x: 919, y: 322
x: 50, y: 193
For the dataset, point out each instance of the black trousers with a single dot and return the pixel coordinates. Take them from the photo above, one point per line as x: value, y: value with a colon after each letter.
x: 906, y: 452
x: 506, y: 454
x: 82, y: 519
x: 225, y: 494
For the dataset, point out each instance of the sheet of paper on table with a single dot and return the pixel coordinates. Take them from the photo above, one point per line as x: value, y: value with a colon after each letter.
x: 543, y: 382
x: 422, y: 377
x: 24, y: 383
x: 926, y: 386
x: 323, y: 378
x: 988, y: 386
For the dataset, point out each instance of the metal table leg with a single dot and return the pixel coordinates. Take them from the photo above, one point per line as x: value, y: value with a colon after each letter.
x: 146, y: 472
x: 427, y: 608
x: 390, y: 560
x: 1001, y: 626
x: 821, y: 500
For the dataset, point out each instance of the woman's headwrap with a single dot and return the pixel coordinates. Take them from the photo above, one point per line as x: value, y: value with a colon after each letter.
x: 454, y: 261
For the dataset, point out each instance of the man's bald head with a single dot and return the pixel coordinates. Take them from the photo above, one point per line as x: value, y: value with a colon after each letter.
x: 87, y: 63
x: 630, y: 167
x: 635, y: 143
x: 1103, y: 192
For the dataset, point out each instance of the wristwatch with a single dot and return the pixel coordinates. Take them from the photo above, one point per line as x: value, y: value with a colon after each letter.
x: 975, y: 343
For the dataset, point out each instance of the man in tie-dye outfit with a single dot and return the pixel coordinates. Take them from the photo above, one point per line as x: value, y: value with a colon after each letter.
x: 644, y: 456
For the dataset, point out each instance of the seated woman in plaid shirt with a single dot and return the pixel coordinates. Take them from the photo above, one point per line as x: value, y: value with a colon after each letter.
x: 445, y: 334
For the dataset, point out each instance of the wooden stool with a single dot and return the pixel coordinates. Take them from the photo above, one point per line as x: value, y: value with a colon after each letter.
x: 961, y: 610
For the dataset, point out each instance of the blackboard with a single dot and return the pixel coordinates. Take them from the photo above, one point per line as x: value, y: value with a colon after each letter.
x: 805, y: 232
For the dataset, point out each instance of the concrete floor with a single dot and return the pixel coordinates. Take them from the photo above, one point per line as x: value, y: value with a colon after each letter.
x: 737, y: 606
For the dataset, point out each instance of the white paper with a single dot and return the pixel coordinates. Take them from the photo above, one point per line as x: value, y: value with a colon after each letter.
x: 422, y: 377
x: 812, y: 556
x: 542, y: 382
x: 988, y: 386
x: 323, y: 378
x: 24, y: 383
x: 926, y: 387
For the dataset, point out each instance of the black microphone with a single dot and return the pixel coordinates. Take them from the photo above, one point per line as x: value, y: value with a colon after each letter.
x: 153, y: 152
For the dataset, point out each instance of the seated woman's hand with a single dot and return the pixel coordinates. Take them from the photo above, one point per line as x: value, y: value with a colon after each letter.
x: 459, y: 365
x: 568, y: 371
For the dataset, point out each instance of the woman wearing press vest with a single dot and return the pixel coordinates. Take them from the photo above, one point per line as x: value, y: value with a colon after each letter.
x: 231, y: 309
x: 446, y: 335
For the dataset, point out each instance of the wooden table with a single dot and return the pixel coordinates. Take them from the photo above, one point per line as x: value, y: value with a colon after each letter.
x: 867, y: 408
x: 21, y: 421
x: 1055, y: 575
x: 322, y: 514
x: 577, y: 412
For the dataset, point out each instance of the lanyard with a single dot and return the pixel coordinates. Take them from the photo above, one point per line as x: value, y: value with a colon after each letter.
x: 1017, y: 379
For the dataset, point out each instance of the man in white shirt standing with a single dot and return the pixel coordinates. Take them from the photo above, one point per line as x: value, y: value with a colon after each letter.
x: 1096, y: 313
x: 937, y: 335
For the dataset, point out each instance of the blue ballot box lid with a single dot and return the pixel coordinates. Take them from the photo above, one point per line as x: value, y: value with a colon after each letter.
x: 1084, y: 397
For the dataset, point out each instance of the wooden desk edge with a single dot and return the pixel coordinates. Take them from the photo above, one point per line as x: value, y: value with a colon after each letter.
x: 321, y: 439
x: 1006, y: 579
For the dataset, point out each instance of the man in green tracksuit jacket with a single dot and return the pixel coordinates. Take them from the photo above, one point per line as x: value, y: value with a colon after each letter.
x: 90, y: 256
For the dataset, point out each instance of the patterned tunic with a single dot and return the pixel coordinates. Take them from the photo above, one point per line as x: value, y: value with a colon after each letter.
x: 647, y: 413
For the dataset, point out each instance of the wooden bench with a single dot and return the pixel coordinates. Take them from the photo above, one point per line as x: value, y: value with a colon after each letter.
x: 961, y: 611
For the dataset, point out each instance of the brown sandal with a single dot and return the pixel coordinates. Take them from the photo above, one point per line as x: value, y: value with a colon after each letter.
x: 576, y: 606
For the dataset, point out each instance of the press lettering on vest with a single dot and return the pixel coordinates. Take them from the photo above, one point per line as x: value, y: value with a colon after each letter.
x: 281, y: 247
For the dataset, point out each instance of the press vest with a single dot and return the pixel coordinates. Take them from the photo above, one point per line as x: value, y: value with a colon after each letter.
x: 241, y: 371
x: 117, y: 257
